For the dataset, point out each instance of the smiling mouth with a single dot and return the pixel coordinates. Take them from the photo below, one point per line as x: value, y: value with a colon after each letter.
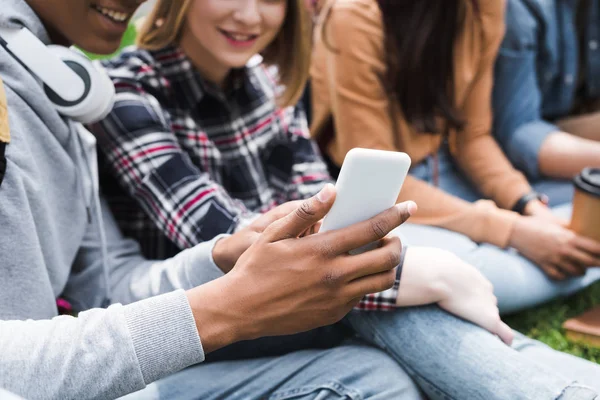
x: 114, y: 15
x: 238, y: 37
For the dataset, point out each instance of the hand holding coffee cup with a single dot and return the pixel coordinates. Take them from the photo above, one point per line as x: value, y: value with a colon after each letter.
x: 586, y: 204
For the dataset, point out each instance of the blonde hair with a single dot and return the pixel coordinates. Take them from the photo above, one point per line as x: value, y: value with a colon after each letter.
x: 290, y: 50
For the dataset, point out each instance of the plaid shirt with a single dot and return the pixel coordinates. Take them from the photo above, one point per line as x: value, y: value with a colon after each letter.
x: 201, y: 161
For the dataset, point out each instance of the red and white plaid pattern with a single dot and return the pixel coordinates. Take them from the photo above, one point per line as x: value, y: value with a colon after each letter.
x: 193, y: 161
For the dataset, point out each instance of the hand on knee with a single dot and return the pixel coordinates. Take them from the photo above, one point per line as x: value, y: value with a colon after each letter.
x: 433, y: 275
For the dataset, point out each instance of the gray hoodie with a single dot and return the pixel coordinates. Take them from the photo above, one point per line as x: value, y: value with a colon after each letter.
x: 57, y: 238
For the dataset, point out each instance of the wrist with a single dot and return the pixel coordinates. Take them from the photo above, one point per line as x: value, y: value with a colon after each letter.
x: 443, y: 282
x: 535, y: 207
x: 530, y: 202
x: 217, y: 320
x: 221, y: 255
x: 516, y: 230
x: 424, y: 277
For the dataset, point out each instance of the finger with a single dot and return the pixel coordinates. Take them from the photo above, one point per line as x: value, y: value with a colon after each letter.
x: 582, y: 258
x: 308, y: 213
x: 562, y: 222
x: 344, y: 240
x: 384, y: 258
x: 284, y: 209
x: 588, y: 245
x: 489, y: 319
x: 273, y: 215
x: 312, y: 230
x: 372, y: 284
x: 316, y: 227
x: 570, y: 268
x: 353, y: 303
x: 553, y: 272
x: 504, y: 332
x: 575, y: 264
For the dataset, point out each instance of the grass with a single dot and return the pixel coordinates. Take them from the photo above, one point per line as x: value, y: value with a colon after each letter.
x: 542, y: 323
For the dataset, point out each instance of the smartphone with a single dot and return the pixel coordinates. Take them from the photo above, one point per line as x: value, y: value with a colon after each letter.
x: 369, y: 183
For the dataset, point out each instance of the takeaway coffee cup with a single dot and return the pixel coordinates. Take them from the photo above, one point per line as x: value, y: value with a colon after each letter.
x: 586, y: 204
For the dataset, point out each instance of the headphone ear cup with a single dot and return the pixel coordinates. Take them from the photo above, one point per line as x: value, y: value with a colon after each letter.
x: 98, y: 98
x: 103, y: 92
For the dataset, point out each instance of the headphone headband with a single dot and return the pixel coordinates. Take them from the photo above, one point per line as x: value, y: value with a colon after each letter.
x: 75, y: 86
x: 36, y: 56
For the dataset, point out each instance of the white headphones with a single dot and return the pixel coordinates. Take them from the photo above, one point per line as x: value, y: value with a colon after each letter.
x: 77, y: 88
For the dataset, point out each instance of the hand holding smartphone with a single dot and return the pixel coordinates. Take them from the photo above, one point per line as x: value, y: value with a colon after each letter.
x: 369, y: 183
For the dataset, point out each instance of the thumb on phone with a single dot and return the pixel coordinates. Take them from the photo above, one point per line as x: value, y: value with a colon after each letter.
x: 308, y: 213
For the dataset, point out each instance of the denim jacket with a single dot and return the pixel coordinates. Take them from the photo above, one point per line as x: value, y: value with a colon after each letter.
x: 536, y: 74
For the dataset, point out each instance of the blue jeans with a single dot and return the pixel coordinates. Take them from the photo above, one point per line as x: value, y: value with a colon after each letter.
x: 350, y: 371
x: 447, y: 357
x: 453, y: 359
x: 518, y: 283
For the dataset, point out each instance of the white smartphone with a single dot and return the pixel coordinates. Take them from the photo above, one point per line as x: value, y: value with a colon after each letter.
x: 369, y: 183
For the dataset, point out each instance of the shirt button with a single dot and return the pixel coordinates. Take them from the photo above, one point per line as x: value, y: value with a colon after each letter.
x: 593, y: 44
x: 569, y: 79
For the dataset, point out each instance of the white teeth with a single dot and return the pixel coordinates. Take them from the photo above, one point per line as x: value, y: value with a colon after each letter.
x: 240, y: 38
x: 112, y: 14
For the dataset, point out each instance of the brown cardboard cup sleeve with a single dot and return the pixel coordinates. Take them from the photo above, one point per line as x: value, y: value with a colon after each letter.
x: 586, y: 204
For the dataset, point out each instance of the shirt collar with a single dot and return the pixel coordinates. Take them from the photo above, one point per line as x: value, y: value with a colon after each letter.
x: 174, y: 63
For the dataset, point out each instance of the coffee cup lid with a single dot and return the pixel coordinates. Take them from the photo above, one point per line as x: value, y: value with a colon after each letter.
x: 589, y: 181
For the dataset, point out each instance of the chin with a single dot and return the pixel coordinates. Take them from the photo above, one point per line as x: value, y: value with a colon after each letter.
x: 239, y: 64
x: 100, y: 47
x: 238, y: 61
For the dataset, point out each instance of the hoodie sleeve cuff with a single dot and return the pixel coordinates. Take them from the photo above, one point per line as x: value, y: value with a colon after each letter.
x: 164, y: 335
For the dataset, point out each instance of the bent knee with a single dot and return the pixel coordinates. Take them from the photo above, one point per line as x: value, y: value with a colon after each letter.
x: 354, y: 372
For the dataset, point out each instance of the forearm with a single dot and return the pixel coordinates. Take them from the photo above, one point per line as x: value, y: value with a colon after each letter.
x: 183, y: 201
x: 103, y: 353
x: 484, y: 163
x: 186, y: 204
x: 481, y: 221
x: 586, y: 126
x: 420, y: 281
x: 563, y: 155
x: 420, y: 285
x: 134, y: 280
x: 132, y: 277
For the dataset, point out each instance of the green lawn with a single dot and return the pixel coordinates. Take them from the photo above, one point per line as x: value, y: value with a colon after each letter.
x: 543, y: 323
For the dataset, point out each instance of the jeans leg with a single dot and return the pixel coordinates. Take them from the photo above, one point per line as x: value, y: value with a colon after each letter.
x: 454, y: 359
x: 518, y: 283
x: 352, y: 371
x: 586, y: 372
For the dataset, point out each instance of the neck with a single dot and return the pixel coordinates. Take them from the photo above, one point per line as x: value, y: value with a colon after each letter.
x: 205, y: 63
x: 55, y: 36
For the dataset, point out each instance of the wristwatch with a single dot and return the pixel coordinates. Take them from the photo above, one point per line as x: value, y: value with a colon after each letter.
x: 526, y: 198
